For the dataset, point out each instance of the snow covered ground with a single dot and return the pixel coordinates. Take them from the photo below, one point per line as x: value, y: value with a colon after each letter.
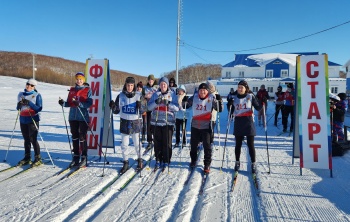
x: 283, y: 195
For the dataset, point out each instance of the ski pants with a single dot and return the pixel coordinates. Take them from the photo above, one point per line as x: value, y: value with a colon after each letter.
x: 79, y: 130
x: 162, y: 143
x: 30, y: 135
x: 250, y: 144
x: 125, y: 144
x: 179, y: 126
x: 338, y: 132
x: 149, y: 127
x: 285, y: 114
x: 198, y: 135
x: 277, y: 111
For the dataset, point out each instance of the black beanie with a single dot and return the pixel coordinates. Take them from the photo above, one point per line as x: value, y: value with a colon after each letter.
x: 203, y: 86
x: 130, y: 80
x: 245, y: 84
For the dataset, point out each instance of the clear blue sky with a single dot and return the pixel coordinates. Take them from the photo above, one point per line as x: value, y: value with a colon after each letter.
x: 139, y: 36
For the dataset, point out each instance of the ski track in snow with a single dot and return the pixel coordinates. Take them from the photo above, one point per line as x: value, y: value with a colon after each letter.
x: 283, y: 195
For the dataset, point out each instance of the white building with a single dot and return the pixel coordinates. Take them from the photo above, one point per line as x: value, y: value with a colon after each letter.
x: 272, y: 70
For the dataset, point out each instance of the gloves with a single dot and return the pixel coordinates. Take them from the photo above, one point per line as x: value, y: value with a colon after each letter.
x: 217, y: 96
x: 158, y: 100
x: 185, y: 99
x: 61, y: 101
x: 166, y: 102
x: 112, y: 104
x: 76, y: 102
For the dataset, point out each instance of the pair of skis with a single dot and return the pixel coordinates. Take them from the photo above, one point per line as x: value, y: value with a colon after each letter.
x: 25, y: 169
x: 254, y: 178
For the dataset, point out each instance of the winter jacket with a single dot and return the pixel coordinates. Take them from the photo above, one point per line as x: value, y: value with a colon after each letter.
x: 202, y: 110
x: 289, y: 98
x: 128, y: 107
x: 339, y: 111
x: 263, y: 96
x: 183, y: 112
x: 163, y: 115
x: 148, y: 91
x: 83, y: 95
x: 244, y: 114
x: 279, y: 98
x: 27, y: 112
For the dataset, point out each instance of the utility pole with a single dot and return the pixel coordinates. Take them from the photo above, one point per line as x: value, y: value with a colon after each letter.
x: 33, y: 65
x: 178, y: 40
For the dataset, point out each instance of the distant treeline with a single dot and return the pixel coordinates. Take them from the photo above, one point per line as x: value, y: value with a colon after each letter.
x: 61, y: 71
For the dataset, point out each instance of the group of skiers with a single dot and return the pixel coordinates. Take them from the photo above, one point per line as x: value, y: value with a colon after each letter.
x: 156, y: 110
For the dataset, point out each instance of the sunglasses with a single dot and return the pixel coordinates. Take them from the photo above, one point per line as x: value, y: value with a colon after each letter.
x: 30, y: 85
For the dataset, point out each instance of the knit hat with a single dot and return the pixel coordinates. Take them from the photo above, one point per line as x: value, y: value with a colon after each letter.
x: 182, y: 87
x: 32, y: 82
x: 279, y: 87
x: 130, y: 80
x: 342, y: 96
x: 262, y: 86
x: 139, y: 84
x: 80, y: 75
x: 245, y: 84
x: 164, y: 79
x: 151, y: 77
x: 211, y: 87
x: 203, y: 86
x: 172, y: 80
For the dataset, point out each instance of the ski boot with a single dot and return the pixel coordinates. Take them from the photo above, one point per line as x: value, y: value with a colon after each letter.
x: 157, y: 165
x: 37, y: 160
x: 125, y: 167
x: 83, y: 162
x: 206, y: 169
x: 139, y: 163
x: 25, y: 161
x: 237, y: 165
x: 165, y: 165
x: 75, y: 161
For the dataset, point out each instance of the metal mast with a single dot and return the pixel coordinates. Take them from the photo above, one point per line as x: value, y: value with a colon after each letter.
x: 178, y: 40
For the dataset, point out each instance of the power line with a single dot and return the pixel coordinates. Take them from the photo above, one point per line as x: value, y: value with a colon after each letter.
x: 269, y: 46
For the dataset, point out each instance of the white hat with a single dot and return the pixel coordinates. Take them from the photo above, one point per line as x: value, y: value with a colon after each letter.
x: 32, y: 82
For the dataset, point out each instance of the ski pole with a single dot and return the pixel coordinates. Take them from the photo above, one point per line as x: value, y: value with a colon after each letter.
x: 65, y: 122
x: 105, y: 153
x: 227, y: 129
x: 167, y: 134
x: 37, y: 128
x: 267, y: 145
x: 13, y: 131
x: 141, y: 126
x: 183, y: 131
x: 218, y: 125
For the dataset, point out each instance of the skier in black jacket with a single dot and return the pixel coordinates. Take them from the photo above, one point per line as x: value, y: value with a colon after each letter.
x: 242, y: 104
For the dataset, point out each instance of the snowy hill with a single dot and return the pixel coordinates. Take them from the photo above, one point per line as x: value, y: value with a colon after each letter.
x: 283, y: 195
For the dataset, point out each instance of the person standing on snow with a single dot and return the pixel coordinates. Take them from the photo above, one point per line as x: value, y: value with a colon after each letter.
x: 147, y: 93
x: 79, y: 100
x: 279, y: 103
x: 29, y: 105
x: 181, y: 118
x: 289, y: 98
x: 163, y: 104
x: 202, y: 104
x: 214, y: 113
x: 339, y: 109
x: 242, y: 104
x: 127, y: 105
x: 262, y: 96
